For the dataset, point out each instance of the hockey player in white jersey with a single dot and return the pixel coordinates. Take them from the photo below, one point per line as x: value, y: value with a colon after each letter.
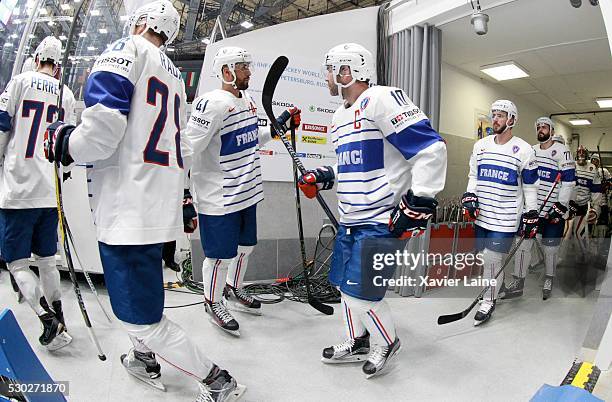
x: 131, y: 135
x: 586, y: 200
x: 601, y: 225
x: 552, y: 158
x: 501, y: 196
x: 28, y: 214
x: 391, y: 164
x: 226, y: 178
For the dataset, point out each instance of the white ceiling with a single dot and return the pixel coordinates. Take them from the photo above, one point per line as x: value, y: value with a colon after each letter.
x: 564, y: 49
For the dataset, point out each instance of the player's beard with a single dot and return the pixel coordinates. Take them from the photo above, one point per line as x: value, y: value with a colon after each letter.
x: 242, y: 85
x: 500, y: 129
x: 543, y: 137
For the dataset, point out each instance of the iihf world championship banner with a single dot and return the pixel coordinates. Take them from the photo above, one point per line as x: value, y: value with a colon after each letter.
x: 305, y: 43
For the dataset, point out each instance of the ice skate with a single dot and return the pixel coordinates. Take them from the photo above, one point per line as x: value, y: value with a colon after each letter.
x: 144, y: 367
x: 484, y: 312
x: 379, y: 358
x: 54, y: 336
x: 222, y: 318
x: 238, y: 299
x: 349, y: 351
x: 219, y: 386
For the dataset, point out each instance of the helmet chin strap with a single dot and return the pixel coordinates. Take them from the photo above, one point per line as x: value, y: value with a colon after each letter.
x: 549, y: 138
x: 233, y: 81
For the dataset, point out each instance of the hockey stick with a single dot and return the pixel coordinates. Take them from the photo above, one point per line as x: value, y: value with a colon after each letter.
x: 87, y: 277
x: 274, y: 75
x: 63, y: 224
x: 317, y: 305
x: 445, y: 319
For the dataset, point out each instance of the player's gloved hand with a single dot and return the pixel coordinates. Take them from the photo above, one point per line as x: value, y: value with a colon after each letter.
x: 573, y: 209
x: 556, y: 213
x: 190, y: 216
x: 292, y: 115
x: 410, y: 216
x: 322, y: 178
x: 56, y: 143
x: 469, y: 201
x: 529, y: 224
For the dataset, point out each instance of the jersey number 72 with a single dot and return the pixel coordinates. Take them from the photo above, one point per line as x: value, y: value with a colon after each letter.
x: 38, y: 108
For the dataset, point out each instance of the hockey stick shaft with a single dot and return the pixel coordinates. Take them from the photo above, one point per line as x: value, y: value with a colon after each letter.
x: 323, y: 308
x: 445, y: 319
x: 274, y: 74
x: 87, y: 277
x: 63, y: 224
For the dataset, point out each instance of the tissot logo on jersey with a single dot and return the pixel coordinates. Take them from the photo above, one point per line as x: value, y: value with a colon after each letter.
x: 200, y: 121
x: 118, y: 64
x: 407, y: 116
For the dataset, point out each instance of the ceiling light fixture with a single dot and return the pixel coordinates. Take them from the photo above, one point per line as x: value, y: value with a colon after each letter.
x: 604, y: 103
x: 507, y: 70
x: 246, y: 24
x: 580, y: 122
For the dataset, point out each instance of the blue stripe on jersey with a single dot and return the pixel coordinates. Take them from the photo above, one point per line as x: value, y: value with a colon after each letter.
x: 495, y: 161
x: 496, y: 218
x: 582, y: 182
x: 414, y: 138
x: 352, y: 122
x: 241, y: 166
x: 239, y: 140
x: 244, y: 182
x: 111, y: 90
x: 5, y: 121
x: 235, y: 114
x: 363, y: 192
x: 568, y: 175
x: 365, y: 204
x: 495, y: 210
x: 365, y: 130
x: 498, y: 174
x: 237, y: 159
x: 243, y: 191
x: 244, y: 174
x: 360, y: 156
x: 238, y: 121
x: 530, y: 176
x: 386, y: 206
x: 495, y: 206
x: 361, y: 181
x: 497, y: 153
x: 491, y: 199
x: 547, y: 174
x: 595, y: 188
x: 497, y: 194
x: 246, y: 199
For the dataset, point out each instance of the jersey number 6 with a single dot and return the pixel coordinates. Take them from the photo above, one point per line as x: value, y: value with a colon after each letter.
x: 151, y: 154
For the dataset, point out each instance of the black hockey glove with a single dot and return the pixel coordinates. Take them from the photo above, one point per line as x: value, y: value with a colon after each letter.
x: 556, y: 213
x: 56, y: 143
x: 469, y: 201
x: 573, y: 209
x: 322, y: 178
x: 190, y: 216
x: 410, y: 216
x: 293, y: 115
x: 529, y: 224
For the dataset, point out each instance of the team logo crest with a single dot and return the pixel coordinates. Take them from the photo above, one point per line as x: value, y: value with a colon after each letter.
x: 515, y: 148
x: 554, y: 152
x: 365, y: 102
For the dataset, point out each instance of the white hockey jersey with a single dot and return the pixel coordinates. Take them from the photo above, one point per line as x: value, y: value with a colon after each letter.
x: 226, y: 172
x: 27, y: 106
x: 131, y: 135
x: 385, y: 146
x: 588, y: 185
x: 552, y: 161
x: 501, y: 175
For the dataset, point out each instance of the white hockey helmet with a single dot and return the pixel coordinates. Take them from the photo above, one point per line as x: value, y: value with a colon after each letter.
x: 160, y: 17
x: 508, y: 107
x: 358, y: 58
x: 230, y: 56
x: 545, y: 120
x: 558, y: 138
x: 50, y: 49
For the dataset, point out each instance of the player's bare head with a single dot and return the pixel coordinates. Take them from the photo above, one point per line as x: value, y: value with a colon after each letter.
x: 582, y: 155
x: 232, y: 66
x: 346, y: 65
x: 48, y: 54
x: 504, y: 116
x: 545, y: 129
x: 158, y: 22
